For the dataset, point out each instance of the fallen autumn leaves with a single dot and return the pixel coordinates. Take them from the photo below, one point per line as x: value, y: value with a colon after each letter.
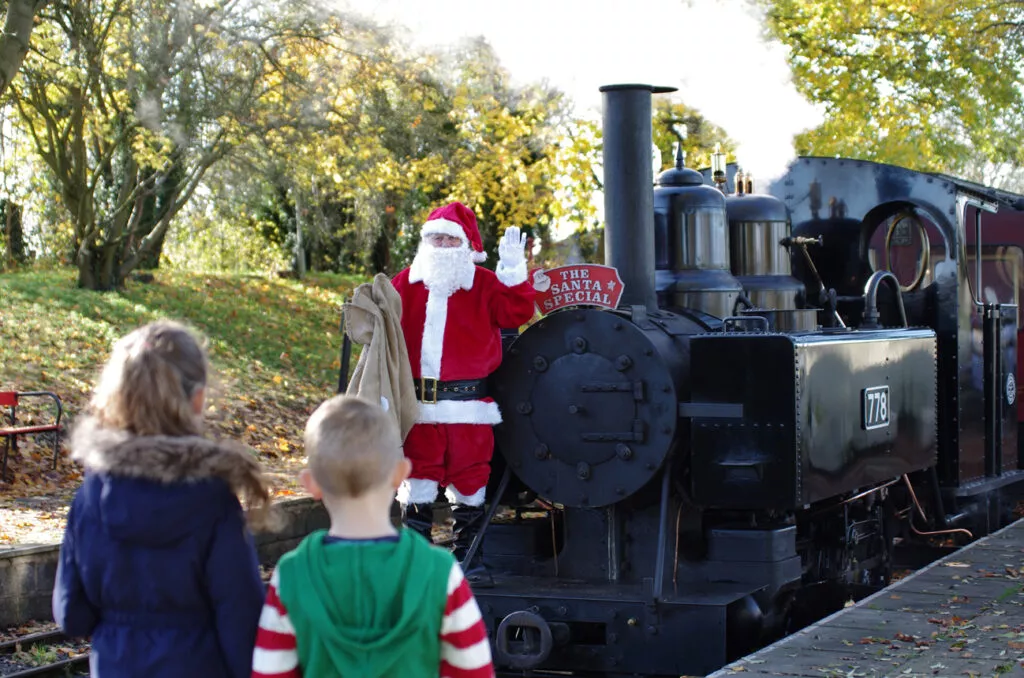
x: 274, y: 345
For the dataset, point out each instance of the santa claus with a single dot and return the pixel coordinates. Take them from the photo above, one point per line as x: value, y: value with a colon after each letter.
x: 452, y: 315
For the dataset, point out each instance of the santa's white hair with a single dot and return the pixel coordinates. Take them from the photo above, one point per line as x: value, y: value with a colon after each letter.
x: 443, y: 270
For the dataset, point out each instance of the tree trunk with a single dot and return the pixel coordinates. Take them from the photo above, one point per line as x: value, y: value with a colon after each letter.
x: 14, y: 41
x: 155, y: 209
x: 86, y: 275
x: 8, y: 234
x: 151, y: 260
x: 14, y: 236
x: 98, y: 270
x: 300, y: 250
x: 381, y: 255
x: 381, y: 259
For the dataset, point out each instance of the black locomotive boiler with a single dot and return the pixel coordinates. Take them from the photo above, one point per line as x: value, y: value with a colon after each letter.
x: 779, y: 398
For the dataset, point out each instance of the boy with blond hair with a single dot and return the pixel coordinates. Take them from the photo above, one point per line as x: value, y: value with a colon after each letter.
x: 364, y: 599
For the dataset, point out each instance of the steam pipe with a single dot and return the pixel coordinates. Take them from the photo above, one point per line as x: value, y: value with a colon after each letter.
x: 741, y: 300
x: 629, y: 190
x: 870, y: 318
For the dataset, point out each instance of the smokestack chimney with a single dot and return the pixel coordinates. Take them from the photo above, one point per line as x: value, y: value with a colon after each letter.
x: 629, y: 190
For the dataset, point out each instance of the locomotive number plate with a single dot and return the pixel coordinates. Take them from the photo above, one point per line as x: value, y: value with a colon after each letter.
x: 875, y: 407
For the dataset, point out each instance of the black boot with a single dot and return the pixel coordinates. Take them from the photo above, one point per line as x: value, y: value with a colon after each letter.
x: 420, y: 518
x: 469, y: 520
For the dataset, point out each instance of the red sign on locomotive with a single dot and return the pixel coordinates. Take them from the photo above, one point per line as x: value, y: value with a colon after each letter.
x: 579, y: 285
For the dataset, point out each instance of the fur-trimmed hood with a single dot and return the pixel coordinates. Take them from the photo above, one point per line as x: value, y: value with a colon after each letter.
x: 178, y: 463
x: 164, y: 459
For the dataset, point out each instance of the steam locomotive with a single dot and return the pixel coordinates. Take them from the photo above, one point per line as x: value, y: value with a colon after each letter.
x: 791, y: 383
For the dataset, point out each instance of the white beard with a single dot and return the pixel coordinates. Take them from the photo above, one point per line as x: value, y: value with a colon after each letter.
x: 444, y: 270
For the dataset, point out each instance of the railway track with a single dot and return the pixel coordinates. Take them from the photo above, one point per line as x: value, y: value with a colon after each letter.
x: 47, y: 654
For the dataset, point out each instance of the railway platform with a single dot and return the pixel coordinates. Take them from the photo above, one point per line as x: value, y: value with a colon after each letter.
x: 962, y: 615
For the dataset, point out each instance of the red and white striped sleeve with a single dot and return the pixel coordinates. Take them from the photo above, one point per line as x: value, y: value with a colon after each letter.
x: 275, y: 654
x: 465, y: 647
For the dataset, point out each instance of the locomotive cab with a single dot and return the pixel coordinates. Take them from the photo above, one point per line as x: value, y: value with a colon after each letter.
x: 954, y: 252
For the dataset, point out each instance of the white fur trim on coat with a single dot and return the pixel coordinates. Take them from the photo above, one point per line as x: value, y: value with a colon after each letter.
x: 433, y: 335
x: 460, y: 412
x: 456, y: 497
x: 416, y: 491
x: 511, y: 275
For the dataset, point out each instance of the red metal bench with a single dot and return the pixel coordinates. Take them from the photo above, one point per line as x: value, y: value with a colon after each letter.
x: 11, y: 399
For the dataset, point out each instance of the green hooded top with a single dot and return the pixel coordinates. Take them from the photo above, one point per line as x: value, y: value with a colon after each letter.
x: 371, y: 608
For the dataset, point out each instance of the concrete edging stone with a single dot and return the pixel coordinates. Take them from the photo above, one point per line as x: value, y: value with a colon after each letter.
x: 27, y: 573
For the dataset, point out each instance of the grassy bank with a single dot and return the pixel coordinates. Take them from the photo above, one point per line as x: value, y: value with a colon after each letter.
x: 274, y: 345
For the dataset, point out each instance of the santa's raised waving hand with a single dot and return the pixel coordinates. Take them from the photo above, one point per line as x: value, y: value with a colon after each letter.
x: 511, y: 269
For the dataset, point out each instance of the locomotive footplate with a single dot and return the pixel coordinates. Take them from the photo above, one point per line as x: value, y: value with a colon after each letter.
x: 560, y: 625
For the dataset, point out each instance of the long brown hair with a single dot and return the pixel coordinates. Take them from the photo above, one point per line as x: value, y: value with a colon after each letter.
x: 149, y: 381
x: 147, y: 388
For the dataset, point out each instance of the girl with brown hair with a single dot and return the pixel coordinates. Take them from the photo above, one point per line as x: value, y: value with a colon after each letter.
x: 158, y: 565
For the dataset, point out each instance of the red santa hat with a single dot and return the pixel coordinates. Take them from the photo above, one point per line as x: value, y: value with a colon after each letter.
x: 455, y: 219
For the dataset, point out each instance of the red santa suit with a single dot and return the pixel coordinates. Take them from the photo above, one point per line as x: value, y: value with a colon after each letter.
x: 453, y: 336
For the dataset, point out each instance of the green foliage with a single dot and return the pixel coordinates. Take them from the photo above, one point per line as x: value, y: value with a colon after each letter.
x: 503, y: 166
x: 921, y: 83
x: 205, y: 241
x: 701, y: 136
x: 326, y: 137
x: 576, y: 184
x: 129, y: 104
x: 366, y: 136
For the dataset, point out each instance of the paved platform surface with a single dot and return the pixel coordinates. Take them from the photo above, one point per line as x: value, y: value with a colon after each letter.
x: 962, y: 615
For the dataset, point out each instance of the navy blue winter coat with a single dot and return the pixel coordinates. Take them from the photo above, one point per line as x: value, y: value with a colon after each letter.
x: 157, y: 564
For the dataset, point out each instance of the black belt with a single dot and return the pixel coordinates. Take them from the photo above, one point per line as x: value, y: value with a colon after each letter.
x: 430, y: 390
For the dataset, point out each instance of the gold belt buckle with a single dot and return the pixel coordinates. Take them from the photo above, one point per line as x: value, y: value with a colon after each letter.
x: 423, y: 390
